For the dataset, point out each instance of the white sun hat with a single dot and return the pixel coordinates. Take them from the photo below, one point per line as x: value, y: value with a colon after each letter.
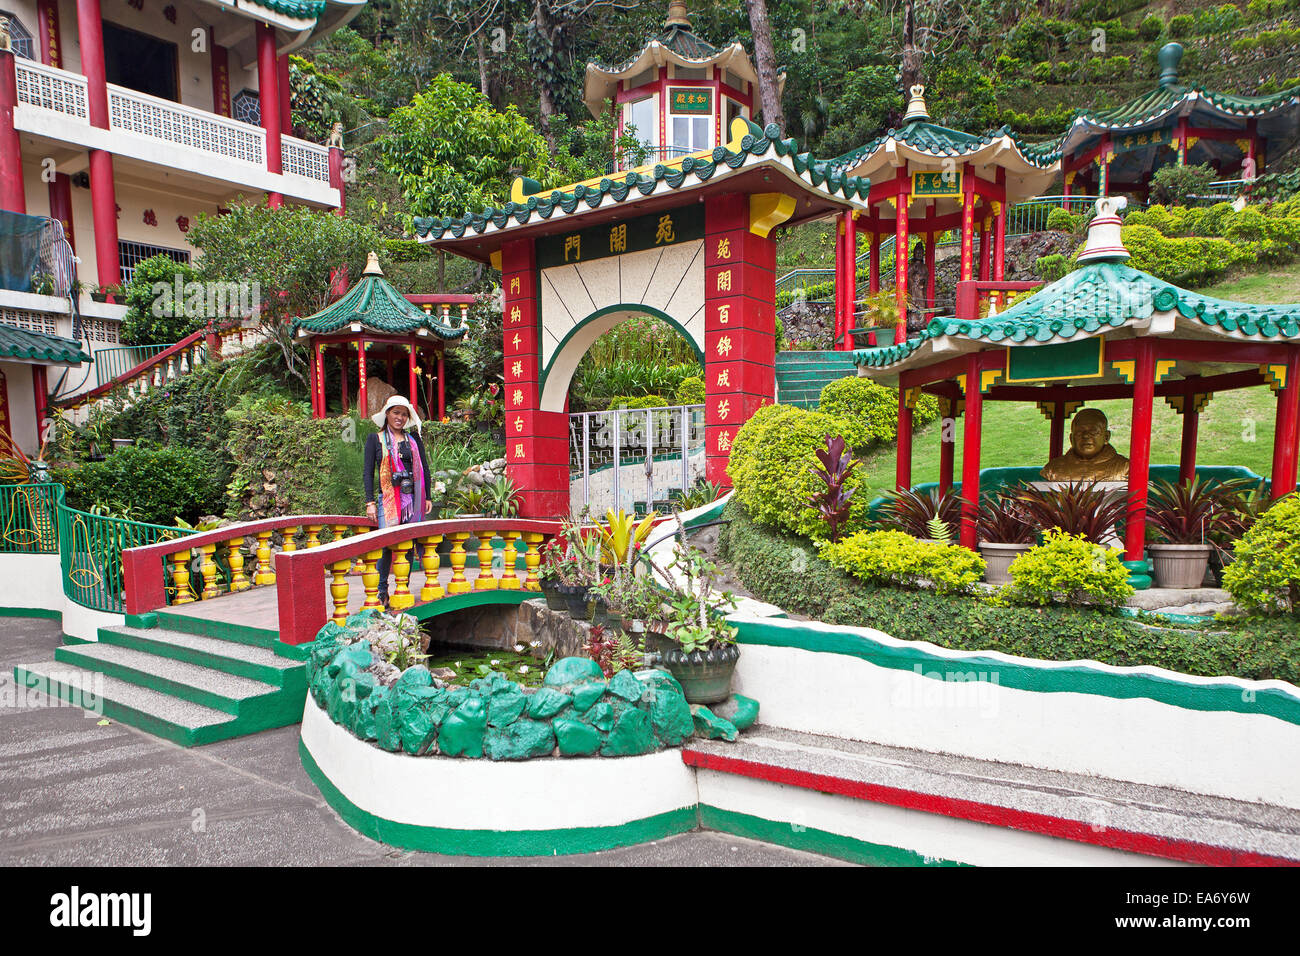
x: 380, y: 417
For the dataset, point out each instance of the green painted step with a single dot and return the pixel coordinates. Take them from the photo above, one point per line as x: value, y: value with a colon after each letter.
x: 801, y: 376
x: 242, y: 660
x: 239, y: 633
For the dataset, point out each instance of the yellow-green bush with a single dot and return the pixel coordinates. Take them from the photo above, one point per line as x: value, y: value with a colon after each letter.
x: 1068, y: 569
x: 873, y: 407
x: 691, y: 391
x: 1265, y: 577
x: 771, y: 465
x: 1189, y: 261
x: 895, y: 558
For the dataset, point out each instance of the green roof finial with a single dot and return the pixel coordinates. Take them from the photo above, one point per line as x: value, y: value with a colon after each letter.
x: 1168, y: 58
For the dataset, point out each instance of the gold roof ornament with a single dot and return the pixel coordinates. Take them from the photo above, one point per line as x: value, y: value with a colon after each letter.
x: 916, y: 108
x: 677, y: 16
x: 372, y: 266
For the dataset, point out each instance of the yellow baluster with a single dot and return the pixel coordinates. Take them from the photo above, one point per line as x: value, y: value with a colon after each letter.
x: 429, y: 560
x: 234, y: 555
x: 458, y: 583
x: 339, y: 590
x: 370, y: 579
x: 181, y: 577
x: 264, y: 573
x: 313, y: 535
x: 208, y: 567
x: 532, y: 558
x: 340, y: 531
x: 485, y: 581
x: 402, y: 597
x: 509, y: 580
x: 289, y: 536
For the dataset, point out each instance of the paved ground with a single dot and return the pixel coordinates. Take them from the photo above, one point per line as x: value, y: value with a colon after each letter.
x: 75, y: 793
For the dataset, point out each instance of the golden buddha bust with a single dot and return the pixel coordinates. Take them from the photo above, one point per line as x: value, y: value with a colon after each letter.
x: 1091, y: 456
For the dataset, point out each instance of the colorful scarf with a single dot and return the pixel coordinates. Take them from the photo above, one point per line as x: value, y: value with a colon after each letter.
x: 399, y: 508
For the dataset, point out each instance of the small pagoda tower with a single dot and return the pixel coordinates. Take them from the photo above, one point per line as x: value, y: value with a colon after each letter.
x: 680, y: 92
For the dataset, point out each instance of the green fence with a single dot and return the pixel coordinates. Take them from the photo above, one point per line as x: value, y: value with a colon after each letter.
x: 90, y: 551
x: 28, y: 518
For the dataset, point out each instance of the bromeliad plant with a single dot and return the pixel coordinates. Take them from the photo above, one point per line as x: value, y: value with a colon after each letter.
x: 501, y: 498
x: 1079, y: 508
x: 910, y: 511
x: 621, y: 537
x: 836, y: 465
x: 1002, y: 520
x: 1194, y: 512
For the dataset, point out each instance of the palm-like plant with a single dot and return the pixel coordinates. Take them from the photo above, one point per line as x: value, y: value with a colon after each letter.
x: 1002, y: 520
x: 502, y: 498
x: 1079, y: 508
x: 911, y: 511
x: 1191, y: 512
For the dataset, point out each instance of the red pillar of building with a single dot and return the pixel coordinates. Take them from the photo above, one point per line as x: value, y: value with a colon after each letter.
x: 442, y: 392
x: 103, y: 193
x: 1139, y: 458
x: 900, y: 257
x: 51, y: 35
x: 967, y: 224
x: 1056, y: 440
x: 363, y: 404
x: 903, y: 466
x: 220, y: 77
x: 739, y: 326
x: 336, y: 178
x: 1286, y: 428
x: 970, y: 454
x: 873, y: 267
x: 61, y: 205
x: 947, y: 454
x: 12, y: 196
x: 841, y: 286
x: 41, y: 394
x: 412, y: 358
x: 850, y: 277
x: 268, y: 95
x: 986, y: 251
x: 286, y: 98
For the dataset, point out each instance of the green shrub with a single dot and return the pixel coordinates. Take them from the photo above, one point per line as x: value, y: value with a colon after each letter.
x: 1181, y: 25
x: 1053, y: 267
x: 1042, y: 71
x: 771, y: 467
x: 154, y: 318
x: 787, y: 572
x: 1066, y: 569
x: 691, y: 391
x: 155, y: 485
x: 1063, y: 220
x: 1174, y: 185
x: 637, y: 401
x: 1151, y: 27
x: 892, y: 557
x: 1187, y: 262
x: 1117, y: 66
x: 872, y: 406
x: 1265, y: 577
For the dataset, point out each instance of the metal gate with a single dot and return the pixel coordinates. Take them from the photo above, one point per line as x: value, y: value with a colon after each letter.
x: 635, y: 459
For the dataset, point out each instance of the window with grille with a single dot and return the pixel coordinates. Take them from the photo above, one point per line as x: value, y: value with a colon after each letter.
x: 246, y: 107
x: 131, y: 254
x: 32, y: 321
x: 22, y: 38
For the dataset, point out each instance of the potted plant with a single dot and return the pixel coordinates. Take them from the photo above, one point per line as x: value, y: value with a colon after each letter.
x: 704, y: 652
x: 578, y: 570
x: 620, y: 536
x: 469, y: 503
x: 1079, y: 508
x: 911, y: 511
x: 1005, y: 534
x: 501, y: 498
x: 549, y: 573
x: 1243, y: 500
x: 1187, y: 516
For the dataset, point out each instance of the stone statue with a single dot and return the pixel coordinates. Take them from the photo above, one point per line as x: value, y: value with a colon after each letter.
x: 1091, y: 456
x: 336, y: 136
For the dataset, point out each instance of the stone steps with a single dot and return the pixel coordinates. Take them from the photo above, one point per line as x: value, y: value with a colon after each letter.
x: 801, y: 376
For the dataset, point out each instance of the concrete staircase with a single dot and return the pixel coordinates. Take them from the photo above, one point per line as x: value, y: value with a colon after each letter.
x: 182, y: 678
x: 801, y: 376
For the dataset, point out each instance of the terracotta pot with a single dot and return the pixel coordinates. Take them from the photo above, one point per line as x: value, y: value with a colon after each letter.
x: 705, y: 676
x: 1179, y: 566
x: 997, y: 559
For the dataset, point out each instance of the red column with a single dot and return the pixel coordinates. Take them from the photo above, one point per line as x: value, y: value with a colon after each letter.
x: 318, y: 380
x: 931, y: 251
x: 1287, y: 424
x: 410, y: 368
x: 967, y: 223
x: 841, y: 286
x: 286, y: 100
x: 268, y: 95
x: 947, y: 455
x: 900, y: 258
x: 363, y: 406
x: 873, y: 267
x: 61, y: 205
x: 12, y: 196
x: 103, y: 193
x: 1139, y: 457
x: 739, y: 319
x: 986, y: 253
x: 903, y: 467
x: 1103, y: 167
x: 220, y: 77
x: 1187, y: 453
x: 850, y: 277
x: 40, y: 391
x: 442, y: 392
x: 336, y: 179
x: 1056, y: 441
x: 47, y: 15
x: 970, y: 454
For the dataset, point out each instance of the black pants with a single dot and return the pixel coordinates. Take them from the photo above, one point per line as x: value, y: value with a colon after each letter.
x: 385, y: 565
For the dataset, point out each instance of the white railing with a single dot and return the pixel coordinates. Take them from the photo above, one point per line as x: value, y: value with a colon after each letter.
x: 51, y: 89
x: 301, y: 158
x: 185, y: 126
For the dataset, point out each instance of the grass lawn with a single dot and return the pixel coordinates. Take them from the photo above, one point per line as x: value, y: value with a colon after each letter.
x: 1235, y: 429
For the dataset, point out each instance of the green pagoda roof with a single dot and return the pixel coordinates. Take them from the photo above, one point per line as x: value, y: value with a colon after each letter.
x: 298, y: 9
x: 377, y: 307
x: 40, y: 347
x: 757, y: 144
x: 935, y: 140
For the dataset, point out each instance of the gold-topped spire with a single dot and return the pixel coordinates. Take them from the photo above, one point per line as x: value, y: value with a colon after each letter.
x: 677, y: 15
x: 916, y: 108
x: 372, y: 266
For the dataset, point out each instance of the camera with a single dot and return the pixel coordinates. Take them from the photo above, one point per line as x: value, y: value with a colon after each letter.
x: 406, y: 486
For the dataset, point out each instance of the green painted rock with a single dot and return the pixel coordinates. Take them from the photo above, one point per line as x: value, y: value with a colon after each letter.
x: 360, y: 619
x: 521, y: 740
x: 631, y: 735
x: 602, y: 716
x: 415, y: 676
x: 457, y: 695
x: 506, y: 708
x: 321, y: 653
x: 660, y: 679
x: 624, y: 685
x: 331, y: 632
x: 462, y: 731
x: 417, y: 731
x: 671, y: 718
x: 365, y: 684
x: 572, y: 670
x: 386, y: 726
x: 546, y: 703
x: 585, y: 695
x: 363, y: 725
x: 575, y: 738
x: 739, y: 709
x: 359, y: 654
x: 710, y: 725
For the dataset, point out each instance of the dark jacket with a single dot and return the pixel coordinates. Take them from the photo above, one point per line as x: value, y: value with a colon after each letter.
x: 374, y: 454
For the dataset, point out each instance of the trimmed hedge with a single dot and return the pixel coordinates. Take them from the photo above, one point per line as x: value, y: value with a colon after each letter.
x: 786, y: 571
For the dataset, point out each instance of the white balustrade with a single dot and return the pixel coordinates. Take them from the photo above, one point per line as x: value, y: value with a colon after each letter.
x: 50, y: 88
x: 302, y: 158
x: 185, y: 126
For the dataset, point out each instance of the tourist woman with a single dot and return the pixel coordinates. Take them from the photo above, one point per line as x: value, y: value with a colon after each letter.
x: 403, y: 494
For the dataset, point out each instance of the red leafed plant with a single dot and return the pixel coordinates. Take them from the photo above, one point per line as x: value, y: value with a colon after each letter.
x: 910, y: 511
x: 612, y: 650
x: 1079, y: 508
x: 836, y: 467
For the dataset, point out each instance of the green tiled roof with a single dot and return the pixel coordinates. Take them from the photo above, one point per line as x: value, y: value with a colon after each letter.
x: 677, y: 38
x: 39, y: 346
x: 298, y: 9
x: 1159, y: 101
x: 379, y: 308
x: 622, y: 186
x: 1089, y: 300
x: 942, y: 141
